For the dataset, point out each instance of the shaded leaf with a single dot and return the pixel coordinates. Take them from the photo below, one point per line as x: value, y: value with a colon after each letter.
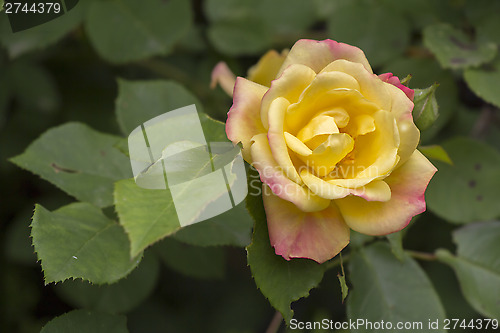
x: 281, y: 282
x: 83, y: 321
x: 120, y: 297
x: 382, y: 286
x: 484, y: 82
x: 396, y: 242
x: 126, y: 30
x: 469, y: 189
x: 140, y: 101
x: 71, y: 241
x: 192, y: 261
x: 80, y: 161
x: 454, y: 49
x: 477, y: 265
x: 370, y: 27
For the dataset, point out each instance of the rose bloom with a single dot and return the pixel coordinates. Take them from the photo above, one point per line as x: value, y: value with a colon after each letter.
x: 334, y: 144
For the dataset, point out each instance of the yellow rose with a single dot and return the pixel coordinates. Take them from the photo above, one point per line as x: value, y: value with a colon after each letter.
x: 334, y: 144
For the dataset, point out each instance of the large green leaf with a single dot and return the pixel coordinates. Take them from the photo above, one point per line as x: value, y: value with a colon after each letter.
x: 150, y: 215
x: 127, y: 30
x: 369, y: 26
x: 83, y: 321
x: 79, y: 241
x: 41, y: 36
x: 80, y: 161
x: 454, y: 49
x: 484, y: 82
x: 192, y: 261
x: 477, y: 265
x: 247, y: 26
x: 120, y: 297
x: 140, y: 101
x: 469, y: 189
x: 282, y: 282
x: 384, y: 288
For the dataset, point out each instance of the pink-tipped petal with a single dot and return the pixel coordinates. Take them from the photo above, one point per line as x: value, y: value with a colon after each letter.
x: 222, y: 75
x: 272, y: 175
x: 243, y: 119
x: 407, y: 183
x: 293, y: 233
x: 394, y: 80
x: 317, y: 54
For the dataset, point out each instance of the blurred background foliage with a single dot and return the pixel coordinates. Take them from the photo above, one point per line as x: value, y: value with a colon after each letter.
x: 67, y: 70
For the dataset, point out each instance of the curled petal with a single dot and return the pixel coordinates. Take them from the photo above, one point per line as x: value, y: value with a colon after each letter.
x: 221, y: 74
x: 289, y: 85
x: 296, y: 234
x: 317, y: 54
x: 272, y: 175
x: 407, y: 184
x: 267, y: 68
x: 394, y: 80
x: 243, y: 120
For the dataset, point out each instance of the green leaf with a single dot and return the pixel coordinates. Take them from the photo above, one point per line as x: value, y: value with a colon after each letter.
x: 41, y: 36
x: 83, y: 321
x: 126, y: 30
x: 192, y: 261
x: 396, y: 242
x: 80, y: 161
x: 120, y: 297
x: 233, y: 227
x: 477, y: 266
x: 280, y: 281
x: 343, y: 285
x: 436, y: 152
x: 425, y: 111
x: 150, y: 215
x: 454, y: 49
x: 370, y: 26
x: 140, y: 101
x: 247, y: 26
x: 484, y: 82
x: 71, y: 241
x: 384, y: 288
x: 248, y: 36
x: 469, y: 189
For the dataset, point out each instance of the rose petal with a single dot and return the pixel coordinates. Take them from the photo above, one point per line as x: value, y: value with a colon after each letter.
x: 370, y: 85
x: 221, y: 74
x: 394, y: 80
x: 290, y: 85
x: 276, y: 138
x: 243, y: 121
x: 317, y: 54
x: 295, y: 234
x: 408, y: 184
x: 272, y: 175
x: 267, y: 68
x: 377, y: 190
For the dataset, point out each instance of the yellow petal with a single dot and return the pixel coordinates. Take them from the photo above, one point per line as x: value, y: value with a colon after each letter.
x: 277, y: 141
x: 319, y: 125
x: 266, y: 70
x: 289, y: 85
x: 272, y: 175
x: 407, y: 183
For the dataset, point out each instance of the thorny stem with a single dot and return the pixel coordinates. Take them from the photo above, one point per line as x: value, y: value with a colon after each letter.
x: 275, y: 323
